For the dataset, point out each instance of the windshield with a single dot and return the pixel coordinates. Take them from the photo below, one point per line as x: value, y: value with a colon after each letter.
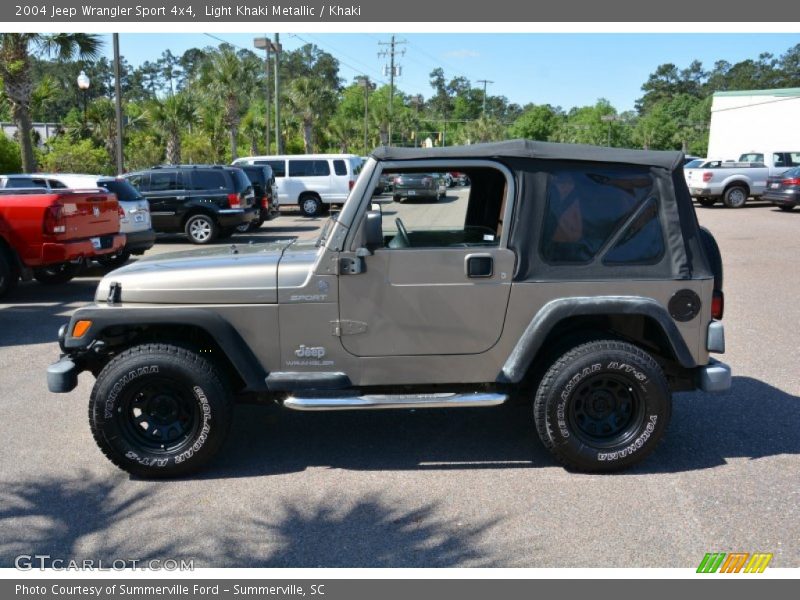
x: 323, y: 235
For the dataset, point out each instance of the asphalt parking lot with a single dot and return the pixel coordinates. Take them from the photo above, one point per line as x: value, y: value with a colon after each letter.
x: 423, y: 489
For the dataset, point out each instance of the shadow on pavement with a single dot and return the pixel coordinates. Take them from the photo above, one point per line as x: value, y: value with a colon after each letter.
x: 89, y: 518
x: 753, y: 420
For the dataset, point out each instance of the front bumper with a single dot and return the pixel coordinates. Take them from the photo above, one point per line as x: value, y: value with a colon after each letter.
x: 714, y: 377
x: 62, y: 376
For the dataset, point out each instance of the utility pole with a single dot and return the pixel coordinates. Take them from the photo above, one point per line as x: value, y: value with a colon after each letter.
x: 368, y: 86
x: 485, y: 82
x: 277, y: 49
x: 118, y: 104
x: 393, y: 71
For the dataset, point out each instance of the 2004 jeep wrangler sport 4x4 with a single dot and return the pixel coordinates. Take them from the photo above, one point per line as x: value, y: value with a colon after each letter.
x: 573, y: 277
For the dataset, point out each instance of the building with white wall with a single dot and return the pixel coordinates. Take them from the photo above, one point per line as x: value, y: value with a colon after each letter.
x: 754, y: 121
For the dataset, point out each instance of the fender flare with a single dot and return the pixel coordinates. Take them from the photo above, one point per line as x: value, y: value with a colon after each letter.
x: 553, y: 312
x: 230, y: 341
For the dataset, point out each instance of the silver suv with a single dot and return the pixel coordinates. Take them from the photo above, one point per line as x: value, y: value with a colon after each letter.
x: 573, y: 277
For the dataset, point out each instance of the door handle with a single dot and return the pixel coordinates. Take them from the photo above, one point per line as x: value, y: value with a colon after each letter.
x: 479, y: 265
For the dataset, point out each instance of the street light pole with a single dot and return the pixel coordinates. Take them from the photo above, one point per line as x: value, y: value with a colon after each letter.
x: 609, y: 119
x: 276, y: 47
x: 118, y: 104
x: 83, y: 85
x: 265, y: 44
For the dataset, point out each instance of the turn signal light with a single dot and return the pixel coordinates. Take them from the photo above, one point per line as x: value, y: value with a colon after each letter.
x: 233, y: 201
x: 707, y: 176
x: 792, y: 181
x: 81, y: 327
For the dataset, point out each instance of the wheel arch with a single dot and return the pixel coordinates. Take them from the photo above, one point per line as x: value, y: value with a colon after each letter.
x: 116, y: 329
x: 567, y: 321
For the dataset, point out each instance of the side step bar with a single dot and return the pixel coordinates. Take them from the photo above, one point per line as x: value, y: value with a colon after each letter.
x: 375, y: 401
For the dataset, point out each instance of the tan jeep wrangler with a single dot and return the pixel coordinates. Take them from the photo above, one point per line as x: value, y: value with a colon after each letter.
x: 575, y: 272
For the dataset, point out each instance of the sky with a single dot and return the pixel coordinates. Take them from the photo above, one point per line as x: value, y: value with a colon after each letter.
x: 559, y: 69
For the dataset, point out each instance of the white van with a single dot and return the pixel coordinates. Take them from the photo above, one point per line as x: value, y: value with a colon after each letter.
x: 311, y: 181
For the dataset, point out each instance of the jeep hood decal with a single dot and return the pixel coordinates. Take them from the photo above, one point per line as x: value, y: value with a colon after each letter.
x: 225, y: 274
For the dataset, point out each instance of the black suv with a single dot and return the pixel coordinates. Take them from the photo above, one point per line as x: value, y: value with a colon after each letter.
x: 266, y: 193
x: 204, y: 201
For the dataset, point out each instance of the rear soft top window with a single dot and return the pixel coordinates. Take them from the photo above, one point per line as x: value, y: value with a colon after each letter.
x: 586, y: 206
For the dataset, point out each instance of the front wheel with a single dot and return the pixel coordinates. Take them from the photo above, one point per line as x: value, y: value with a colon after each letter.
x: 603, y: 406
x: 160, y: 410
x: 56, y: 274
x: 735, y: 197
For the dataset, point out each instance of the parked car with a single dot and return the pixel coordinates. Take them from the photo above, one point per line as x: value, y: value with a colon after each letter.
x: 733, y: 182
x: 459, y: 178
x: 311, y: 181
x: 776, y: 162
x: 575, y: 279
x: 266, y: 193
x: 694, y: 163
x: 48, y: 234
x: 134, y: 216
x: 426, y: 186
x: 784, y: 190
x: 206, y: 202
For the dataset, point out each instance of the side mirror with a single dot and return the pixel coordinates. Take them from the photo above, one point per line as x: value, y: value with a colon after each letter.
x: 373, y: 230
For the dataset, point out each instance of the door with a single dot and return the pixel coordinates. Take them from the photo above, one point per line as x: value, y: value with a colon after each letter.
x: 166, y: 196
x: 441, y: 283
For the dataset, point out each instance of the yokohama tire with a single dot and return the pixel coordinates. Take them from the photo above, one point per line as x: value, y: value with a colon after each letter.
x: 603, y: 406
x: 159, y: 410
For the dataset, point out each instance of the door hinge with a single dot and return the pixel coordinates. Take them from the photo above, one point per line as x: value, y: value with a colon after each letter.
x: 344, y: 327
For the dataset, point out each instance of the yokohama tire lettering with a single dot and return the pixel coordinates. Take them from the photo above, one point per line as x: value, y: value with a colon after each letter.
x: 203, y: 435
x: 634, y: 446
x: 121, y: 383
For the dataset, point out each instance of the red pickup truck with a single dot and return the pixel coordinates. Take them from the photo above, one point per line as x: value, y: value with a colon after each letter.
x: 48, y: 235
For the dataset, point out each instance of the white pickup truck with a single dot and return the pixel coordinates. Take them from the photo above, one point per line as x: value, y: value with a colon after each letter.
x: 777, y: 162
x: 732, y: 182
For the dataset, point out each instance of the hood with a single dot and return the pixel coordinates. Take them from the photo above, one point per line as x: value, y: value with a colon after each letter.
x: 230, y: 274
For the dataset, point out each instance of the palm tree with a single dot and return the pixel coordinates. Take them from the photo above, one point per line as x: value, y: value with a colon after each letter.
x: 483, y: 129
x: 228, y: 78
x: 310, y: 99
x: 172, y: 115
x: 15, y: 72
x: 253, y: 125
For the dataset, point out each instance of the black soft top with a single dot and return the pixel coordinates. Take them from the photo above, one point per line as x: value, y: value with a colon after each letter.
x: 540, y: 150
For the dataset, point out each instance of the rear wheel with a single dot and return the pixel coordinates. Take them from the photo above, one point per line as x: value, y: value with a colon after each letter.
x: 56, y: 274
x: 603, y: 406
x: 735, y: 196
x: 8, y: 274
x: 787, y: 207
x: 310, y: 206
x: 201, y: 229
x: 160, y: 410
x: 114, y: 260
x: 706, y: 201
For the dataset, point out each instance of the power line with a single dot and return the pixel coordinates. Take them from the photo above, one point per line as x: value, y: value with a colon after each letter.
x: 349, y: 66
x: 219, y: 39
x: 340, y: 53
